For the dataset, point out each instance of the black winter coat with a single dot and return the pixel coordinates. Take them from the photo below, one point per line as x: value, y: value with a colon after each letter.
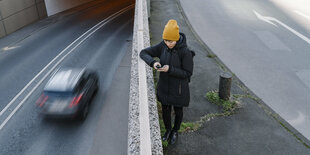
x: 172, y: 87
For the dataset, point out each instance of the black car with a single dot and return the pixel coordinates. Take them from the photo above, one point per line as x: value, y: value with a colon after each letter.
x: 68, y: 93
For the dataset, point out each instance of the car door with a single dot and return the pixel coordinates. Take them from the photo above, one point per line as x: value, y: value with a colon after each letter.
x: 93, y: 82
x: 80, y: 89
x: 88, y: 86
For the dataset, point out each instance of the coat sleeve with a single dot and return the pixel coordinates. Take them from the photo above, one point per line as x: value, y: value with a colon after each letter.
x: 187, y: 67
x: 147, y: 54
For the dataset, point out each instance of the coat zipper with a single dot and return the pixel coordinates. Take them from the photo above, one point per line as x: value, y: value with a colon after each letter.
x: 180, y: 88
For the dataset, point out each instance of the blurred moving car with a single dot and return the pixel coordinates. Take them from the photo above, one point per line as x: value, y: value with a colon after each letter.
x: 68, y: 93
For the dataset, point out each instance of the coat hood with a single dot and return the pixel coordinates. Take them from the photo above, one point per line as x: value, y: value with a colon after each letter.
x: 181, y: 43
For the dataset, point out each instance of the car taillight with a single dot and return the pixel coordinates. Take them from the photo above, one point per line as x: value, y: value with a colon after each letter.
x: 75, y: 101
x: 43, y: 98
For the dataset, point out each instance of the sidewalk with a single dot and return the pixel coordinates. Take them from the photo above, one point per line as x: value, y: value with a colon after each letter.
x: 253, y: 129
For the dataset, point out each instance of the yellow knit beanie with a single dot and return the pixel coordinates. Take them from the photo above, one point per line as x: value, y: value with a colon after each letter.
x: 171, y: 31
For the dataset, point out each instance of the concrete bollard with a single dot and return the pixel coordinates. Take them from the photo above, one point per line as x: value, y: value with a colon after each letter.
x: 225, y: 85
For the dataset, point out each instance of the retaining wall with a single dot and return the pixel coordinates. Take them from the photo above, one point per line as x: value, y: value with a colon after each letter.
x: 15, y: 14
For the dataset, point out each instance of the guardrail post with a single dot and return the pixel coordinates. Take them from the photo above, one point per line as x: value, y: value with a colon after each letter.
x: 225, y: 85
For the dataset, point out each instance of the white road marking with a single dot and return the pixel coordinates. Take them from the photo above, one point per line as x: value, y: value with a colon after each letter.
x: 271, y: 20
x: 103, y: 22
x: 302, y: 14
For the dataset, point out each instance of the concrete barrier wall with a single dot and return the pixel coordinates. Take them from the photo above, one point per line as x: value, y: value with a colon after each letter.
x: 56, y: 6
x: 15, y: 14
x: 143, y: 125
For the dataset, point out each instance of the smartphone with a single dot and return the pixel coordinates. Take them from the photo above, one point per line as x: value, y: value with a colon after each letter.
x: 158, y: 66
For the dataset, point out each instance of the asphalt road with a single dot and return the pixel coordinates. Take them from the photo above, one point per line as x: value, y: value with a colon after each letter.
x: 26, y: 62
x: 266, y: 44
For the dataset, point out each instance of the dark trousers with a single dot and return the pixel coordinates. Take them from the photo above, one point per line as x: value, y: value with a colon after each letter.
x: 167, y: 117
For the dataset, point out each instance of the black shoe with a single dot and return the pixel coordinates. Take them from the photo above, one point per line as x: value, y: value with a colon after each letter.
x: 166, y: 135
x: 173, y: 137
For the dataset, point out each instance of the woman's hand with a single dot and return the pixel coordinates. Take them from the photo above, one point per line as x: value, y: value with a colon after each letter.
x: 156, y: 64
x: 165, y: 68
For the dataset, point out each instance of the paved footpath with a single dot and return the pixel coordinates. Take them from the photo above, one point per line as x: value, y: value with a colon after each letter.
x: 253, y: 129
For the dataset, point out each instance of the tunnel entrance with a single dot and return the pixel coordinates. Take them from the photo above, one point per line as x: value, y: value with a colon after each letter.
x: 56, y: 6
x: 15, y: 14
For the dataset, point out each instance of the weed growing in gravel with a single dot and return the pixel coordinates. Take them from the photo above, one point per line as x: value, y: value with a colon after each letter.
x: 228, y: 106
x: 211, y: 55
x: 189, y: 126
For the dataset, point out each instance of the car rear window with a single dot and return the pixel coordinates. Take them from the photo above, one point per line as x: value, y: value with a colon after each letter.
x: 63, y: 81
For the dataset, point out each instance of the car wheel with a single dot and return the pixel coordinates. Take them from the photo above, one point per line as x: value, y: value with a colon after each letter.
x: 84, y: 113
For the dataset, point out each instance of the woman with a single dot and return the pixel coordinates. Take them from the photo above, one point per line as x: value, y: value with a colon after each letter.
x: 176, y: 68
